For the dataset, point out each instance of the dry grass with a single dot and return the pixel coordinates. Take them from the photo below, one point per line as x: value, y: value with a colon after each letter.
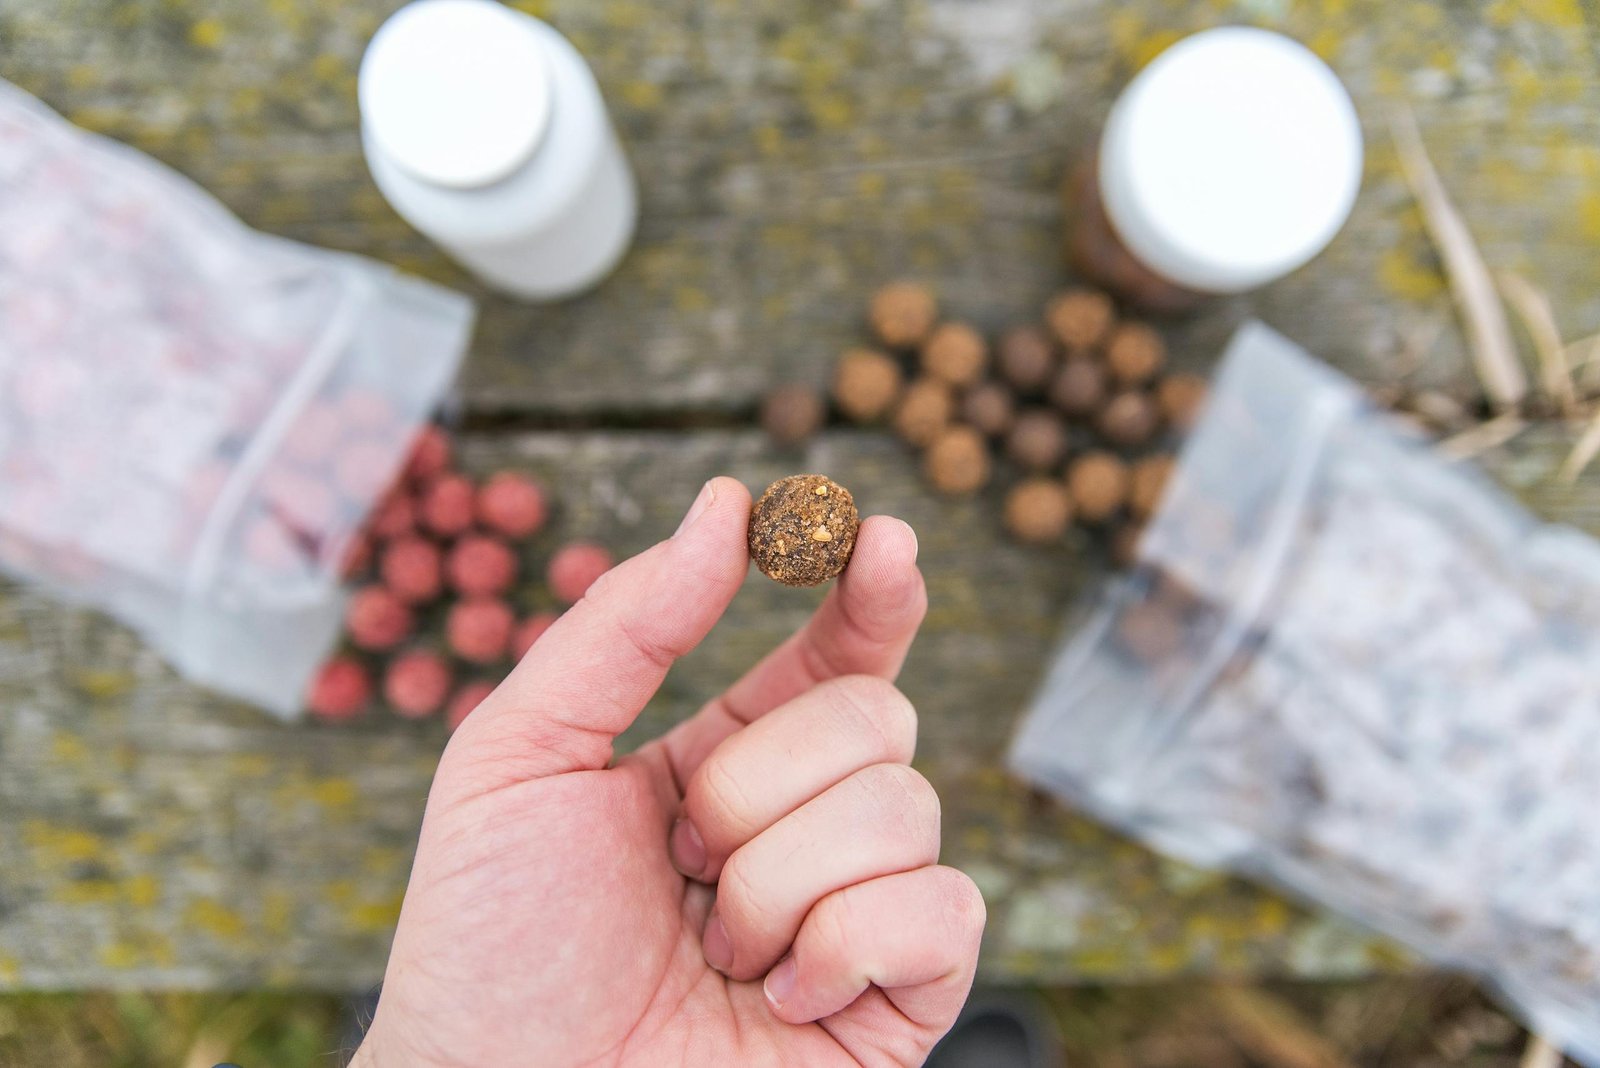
x: 1417, y: 1022
x: 106, y: 1030
x: 1413, y: 1022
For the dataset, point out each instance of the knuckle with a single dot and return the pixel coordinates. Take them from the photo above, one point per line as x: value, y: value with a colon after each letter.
x: 717, y: 800
x: 874, y: 706
x: 964, y: 902
x: 906, y: 802
x: 834, y: 925
x: 739, y: 899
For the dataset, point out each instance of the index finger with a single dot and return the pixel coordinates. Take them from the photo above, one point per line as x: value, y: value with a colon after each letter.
x: 864, y: 627
x: 591, y: 673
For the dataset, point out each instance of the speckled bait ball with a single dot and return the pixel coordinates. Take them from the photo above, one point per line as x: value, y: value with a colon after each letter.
x: 902, y: 314
x: 803, y: 530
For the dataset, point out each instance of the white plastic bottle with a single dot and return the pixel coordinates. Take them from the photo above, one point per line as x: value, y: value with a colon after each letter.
x: 1233, y: 158
x: 486, y: 131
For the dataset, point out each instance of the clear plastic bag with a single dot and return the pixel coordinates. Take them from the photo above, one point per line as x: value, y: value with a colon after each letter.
x: 195, y: 417
x: 1352, y: 669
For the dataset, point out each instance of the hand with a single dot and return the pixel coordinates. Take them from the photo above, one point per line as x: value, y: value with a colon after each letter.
x: 758, y: 886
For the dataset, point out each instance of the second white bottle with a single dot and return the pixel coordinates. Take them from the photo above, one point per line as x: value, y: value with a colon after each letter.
x: 486, y: 130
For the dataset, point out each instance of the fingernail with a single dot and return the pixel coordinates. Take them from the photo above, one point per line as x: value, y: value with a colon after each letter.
x: 780, y: 982
x: 714, y: 942
x: 701, y: 503
x: 688, y: 851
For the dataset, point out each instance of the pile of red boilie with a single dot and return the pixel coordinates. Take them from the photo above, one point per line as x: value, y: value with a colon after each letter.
x: 446, y: 597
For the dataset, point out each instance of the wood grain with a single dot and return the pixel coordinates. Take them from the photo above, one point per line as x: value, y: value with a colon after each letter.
x: 793, y: 154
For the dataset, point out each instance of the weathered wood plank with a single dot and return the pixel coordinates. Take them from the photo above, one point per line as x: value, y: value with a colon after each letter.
x: 795, y: 154
x: 153, y: 835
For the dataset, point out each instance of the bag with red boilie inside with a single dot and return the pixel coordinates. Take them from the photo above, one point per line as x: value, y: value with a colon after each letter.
x: 1358, y: 671
x: 195, y: 417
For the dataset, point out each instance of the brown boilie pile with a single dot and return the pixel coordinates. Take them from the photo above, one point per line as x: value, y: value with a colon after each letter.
x: 1077, y: 414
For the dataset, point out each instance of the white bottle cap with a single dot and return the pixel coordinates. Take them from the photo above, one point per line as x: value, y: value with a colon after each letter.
x: 455, y: 92
x: 1230, y: 160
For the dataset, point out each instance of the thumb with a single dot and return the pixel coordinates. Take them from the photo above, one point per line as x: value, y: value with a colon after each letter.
x: 587, y: 678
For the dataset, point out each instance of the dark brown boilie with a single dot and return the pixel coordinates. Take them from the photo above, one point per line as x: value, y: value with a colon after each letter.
x: 1079, y: 387
x: 1080, y: 318
x: 866, y: 384
x: 1135, y: 354
x: 903, y: 314
x: 1038, y: 511
x: 1026, y: 358
x: 924, y: 410
x: 989, y: 407
x: 803, y: 530
x: 957, y: 463
x: 1038, y: 440
x: 955, y: 354
x: 790, y: 414
x: 1129, y: 418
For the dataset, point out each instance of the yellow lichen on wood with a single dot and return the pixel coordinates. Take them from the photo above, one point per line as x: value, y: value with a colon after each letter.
x: 62, y: 844
x: 216, y: 919
x: 141, y: 891
x: 277, y: 909
x: 87, y: 892
x: 334, y: 793
x: 68, y: 749
x: 642, y: 95
x: 375, y: 915
x: 207, y: 34
x: 1409, y: 277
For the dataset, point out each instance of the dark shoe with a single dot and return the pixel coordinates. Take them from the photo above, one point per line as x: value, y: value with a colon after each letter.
x: 1001, y: 1029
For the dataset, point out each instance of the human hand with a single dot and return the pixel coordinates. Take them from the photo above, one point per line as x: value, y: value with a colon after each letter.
x: 757, y: 886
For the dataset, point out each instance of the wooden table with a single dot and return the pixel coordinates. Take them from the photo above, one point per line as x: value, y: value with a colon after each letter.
x: 793, y: 153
